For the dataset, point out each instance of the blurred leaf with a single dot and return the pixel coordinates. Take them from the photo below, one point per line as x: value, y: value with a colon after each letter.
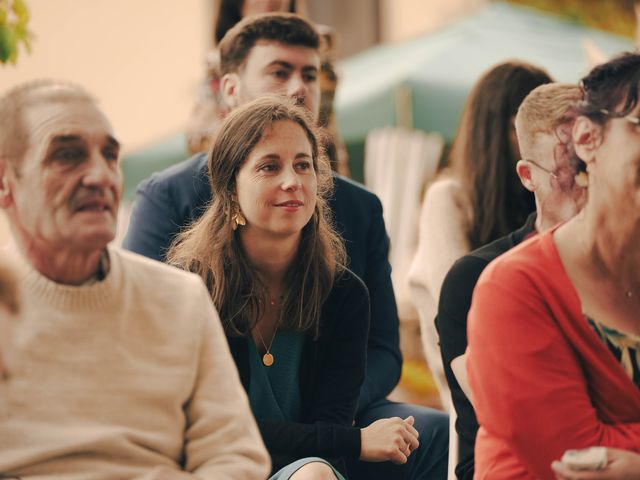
x: 14, y: 18
x: 7, y: 43
x: 21, y: 11
x: 26, y: 41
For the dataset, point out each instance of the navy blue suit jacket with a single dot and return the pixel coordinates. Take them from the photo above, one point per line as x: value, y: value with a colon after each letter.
x: 169, y: 200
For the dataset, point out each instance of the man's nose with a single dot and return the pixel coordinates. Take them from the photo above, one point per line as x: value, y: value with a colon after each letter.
x: 100, y: 172
x: 297, y: 88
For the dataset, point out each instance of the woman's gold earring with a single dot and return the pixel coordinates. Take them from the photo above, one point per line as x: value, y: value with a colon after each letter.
x: 237, y: 218
x: 582, y: 179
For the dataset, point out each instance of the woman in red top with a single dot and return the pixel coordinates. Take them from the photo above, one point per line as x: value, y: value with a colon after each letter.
x: 554, y: 329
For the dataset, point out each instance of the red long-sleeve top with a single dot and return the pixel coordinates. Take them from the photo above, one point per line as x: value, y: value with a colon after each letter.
x: 542, y: 380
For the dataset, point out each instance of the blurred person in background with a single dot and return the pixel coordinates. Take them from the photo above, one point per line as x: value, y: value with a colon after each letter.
x: 479, y: 197
x: 210, y: 107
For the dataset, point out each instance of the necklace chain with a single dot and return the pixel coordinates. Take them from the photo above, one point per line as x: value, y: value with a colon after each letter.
x: 268, y: 358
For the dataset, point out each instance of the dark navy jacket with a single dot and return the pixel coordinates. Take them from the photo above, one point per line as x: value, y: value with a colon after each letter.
x: 169, y: 200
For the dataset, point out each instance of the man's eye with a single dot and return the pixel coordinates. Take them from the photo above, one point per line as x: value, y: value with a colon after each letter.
x: 69, y: 155
x: 280, y: 74
x: 310, y: 77
x: 110, y: 155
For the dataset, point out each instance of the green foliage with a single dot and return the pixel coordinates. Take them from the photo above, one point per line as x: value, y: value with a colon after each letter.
x: 14, y: 17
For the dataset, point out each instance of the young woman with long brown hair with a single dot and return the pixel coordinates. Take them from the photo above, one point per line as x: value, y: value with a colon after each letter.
x: 296, y: 319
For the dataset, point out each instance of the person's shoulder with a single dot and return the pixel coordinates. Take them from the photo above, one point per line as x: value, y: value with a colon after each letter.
x: 139, y: 268
x: 347, y: 279
x: 532, y: 261
x: 445, y: 197
x: 464, y: 271
x: 347, y: 190
x: 467, y: 269
x: 172, y: 302
x: 348, y: 294
x: 493, y: 250
x: 182, y: 174
x: 347, y: 287
x: 443, y: 185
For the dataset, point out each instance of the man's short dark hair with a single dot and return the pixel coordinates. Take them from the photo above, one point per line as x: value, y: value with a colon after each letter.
x: 285, y: 28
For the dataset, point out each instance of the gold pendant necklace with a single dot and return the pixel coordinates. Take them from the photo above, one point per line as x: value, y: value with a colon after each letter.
x: 267, y: 358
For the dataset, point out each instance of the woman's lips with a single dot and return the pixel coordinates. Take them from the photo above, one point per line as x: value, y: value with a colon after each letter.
x: 290, y: 205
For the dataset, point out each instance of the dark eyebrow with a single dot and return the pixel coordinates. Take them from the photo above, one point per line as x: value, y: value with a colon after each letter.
x: 66, y: 139
x: 288, y: 66
x: 111, y: 141
x: 280, y: 63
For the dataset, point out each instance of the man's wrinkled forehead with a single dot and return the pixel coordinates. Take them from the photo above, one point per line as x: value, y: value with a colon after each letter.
x: 58, y: 123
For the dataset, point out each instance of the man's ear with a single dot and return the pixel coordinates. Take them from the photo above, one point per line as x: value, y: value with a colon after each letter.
x: 586, y: 139
x: 5, y: 191
x: 230, y: 88
x: 523, y: 169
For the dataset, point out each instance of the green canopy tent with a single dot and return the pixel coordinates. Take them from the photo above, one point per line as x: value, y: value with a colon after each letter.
x: 439, y: 69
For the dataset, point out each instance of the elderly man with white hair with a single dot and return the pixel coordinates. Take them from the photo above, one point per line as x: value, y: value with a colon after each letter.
x: 120, y: 366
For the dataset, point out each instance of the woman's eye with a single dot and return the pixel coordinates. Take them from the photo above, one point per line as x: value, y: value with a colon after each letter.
x: 305, y: 165
x: 269, y: 168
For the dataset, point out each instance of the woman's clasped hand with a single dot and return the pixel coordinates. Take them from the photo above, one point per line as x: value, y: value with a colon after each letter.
x: 389, y: 439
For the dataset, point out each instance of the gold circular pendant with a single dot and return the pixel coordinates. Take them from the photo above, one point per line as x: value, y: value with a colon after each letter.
x: 267, y: 359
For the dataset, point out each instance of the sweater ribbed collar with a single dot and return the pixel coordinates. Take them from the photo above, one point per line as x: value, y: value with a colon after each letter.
x: 98, y: 295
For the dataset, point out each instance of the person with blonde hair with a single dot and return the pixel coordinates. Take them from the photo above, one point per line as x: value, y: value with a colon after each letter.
x: 543, y: 123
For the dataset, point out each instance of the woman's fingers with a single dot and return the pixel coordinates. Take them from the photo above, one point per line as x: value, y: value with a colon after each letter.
x: 399, y: 457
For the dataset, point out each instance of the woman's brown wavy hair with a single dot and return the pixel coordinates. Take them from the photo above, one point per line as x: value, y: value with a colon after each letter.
x: 482, y: 158
x: 211, y: 248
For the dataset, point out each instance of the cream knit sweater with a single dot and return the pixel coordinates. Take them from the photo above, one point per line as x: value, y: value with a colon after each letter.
x: 127, y: 378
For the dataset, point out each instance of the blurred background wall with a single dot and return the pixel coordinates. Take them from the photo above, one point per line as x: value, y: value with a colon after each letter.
x: 142, y: 58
